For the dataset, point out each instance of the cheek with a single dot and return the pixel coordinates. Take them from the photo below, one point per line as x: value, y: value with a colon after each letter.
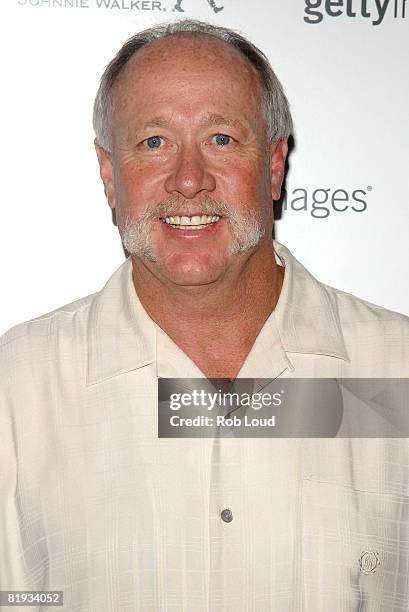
x: 135, y: 188
x: 249, y: 179
x: 250, y: 186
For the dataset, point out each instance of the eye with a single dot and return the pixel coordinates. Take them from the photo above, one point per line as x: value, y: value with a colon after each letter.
x: 222, y: 139
x: 153, y: 142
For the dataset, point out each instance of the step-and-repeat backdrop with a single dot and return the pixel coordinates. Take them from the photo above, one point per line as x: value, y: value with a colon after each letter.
x: 344, y: 65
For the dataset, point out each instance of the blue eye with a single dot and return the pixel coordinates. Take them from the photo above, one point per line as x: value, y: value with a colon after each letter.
x: 222, y: 139
x: 154, y: 142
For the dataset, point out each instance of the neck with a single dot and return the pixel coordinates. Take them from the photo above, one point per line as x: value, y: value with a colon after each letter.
x: 212, y: 322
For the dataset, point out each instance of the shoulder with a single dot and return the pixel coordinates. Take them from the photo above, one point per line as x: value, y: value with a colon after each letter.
x: 354, y: 311
x: 46, y: 324
x: 26, y: 345
x: 375, y: 337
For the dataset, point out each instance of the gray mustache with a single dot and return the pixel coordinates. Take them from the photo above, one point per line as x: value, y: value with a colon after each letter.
x: 207, y: 206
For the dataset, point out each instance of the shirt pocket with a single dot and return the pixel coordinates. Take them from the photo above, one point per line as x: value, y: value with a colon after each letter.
x: 354, y: 549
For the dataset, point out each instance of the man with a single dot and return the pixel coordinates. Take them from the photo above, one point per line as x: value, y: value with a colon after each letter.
x: 191, y: 136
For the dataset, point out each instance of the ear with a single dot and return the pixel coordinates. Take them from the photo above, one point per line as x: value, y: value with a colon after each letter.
x: 279, y: 152
x: 106, y: 172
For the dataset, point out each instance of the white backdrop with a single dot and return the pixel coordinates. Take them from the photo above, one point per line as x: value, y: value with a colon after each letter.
x: 346, y: 76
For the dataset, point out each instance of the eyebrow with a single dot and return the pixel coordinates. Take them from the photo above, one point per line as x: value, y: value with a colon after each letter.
x: 216, y: 119
x: 156, y: 122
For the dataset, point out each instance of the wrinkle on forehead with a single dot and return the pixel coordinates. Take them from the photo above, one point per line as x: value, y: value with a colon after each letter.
x: 187, y: 54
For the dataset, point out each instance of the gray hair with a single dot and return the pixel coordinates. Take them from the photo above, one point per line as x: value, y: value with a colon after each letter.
x: 276, y: 108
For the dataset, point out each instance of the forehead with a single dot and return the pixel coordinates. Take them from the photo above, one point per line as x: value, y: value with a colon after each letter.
x: 190, y: 68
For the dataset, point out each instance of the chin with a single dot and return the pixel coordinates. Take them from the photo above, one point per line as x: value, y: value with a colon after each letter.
x: 190, y: 272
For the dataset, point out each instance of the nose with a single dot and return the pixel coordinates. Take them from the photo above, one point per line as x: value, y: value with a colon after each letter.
x: 190, y: 174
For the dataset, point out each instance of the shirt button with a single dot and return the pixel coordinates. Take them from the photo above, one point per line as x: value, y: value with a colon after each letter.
x: 226, y: 515
x: 369, y: 561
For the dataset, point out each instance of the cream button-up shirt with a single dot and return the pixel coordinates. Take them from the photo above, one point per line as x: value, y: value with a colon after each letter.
x: 93, y: 503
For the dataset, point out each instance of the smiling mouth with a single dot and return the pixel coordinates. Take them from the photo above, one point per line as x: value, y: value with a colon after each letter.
x: 194, y: 222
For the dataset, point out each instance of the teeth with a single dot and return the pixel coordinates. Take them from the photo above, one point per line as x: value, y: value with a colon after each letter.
x: 189, y: 227
x: 195, y: 222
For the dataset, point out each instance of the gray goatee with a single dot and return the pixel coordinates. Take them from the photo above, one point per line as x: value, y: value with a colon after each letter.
x: 247, y: 231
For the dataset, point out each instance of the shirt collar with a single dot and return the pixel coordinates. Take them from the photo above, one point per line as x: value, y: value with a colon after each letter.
x: 122, y: 336
x: 306, y: 314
